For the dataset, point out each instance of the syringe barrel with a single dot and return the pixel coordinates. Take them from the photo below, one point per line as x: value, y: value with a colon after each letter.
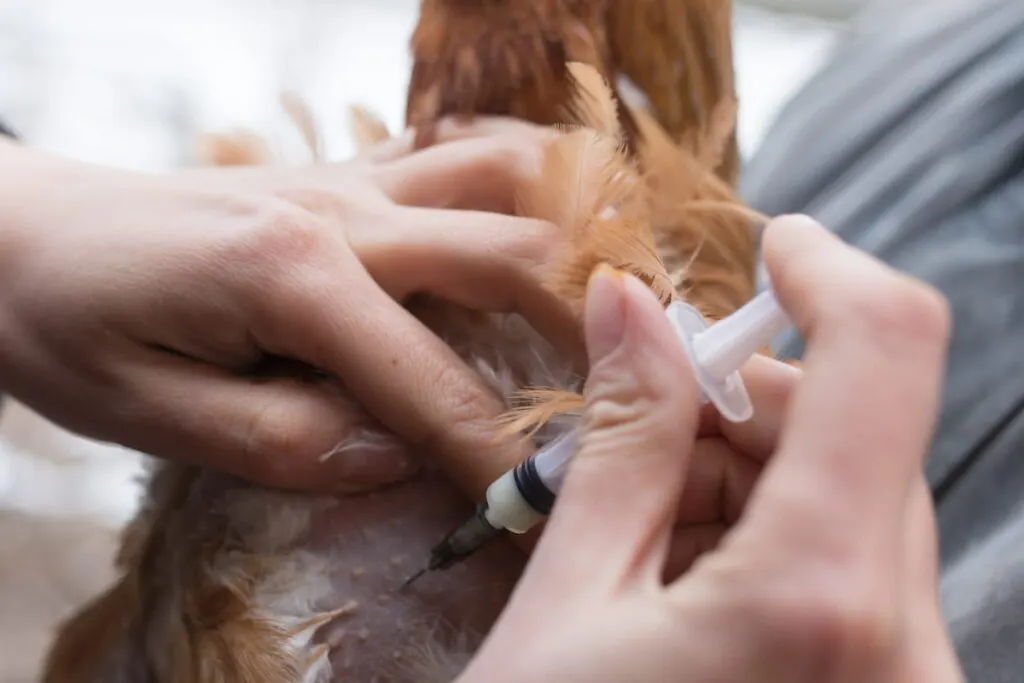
x: 725, y: 346
x: 552, y: 461
x: 524, y: 495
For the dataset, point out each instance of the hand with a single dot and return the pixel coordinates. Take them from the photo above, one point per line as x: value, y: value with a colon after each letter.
x: 829, y: 575
x: 148, y: 310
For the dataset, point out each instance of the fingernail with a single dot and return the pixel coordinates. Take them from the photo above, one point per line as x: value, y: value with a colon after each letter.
x: 365, y: 463
x: 605, y: 312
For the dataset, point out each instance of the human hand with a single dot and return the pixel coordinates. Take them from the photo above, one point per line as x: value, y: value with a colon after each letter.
x: 829, y: 575
x: 146, y: 309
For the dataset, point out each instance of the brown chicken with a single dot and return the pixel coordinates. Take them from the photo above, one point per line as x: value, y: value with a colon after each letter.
x: 507, y: 57
x: 226, y: 581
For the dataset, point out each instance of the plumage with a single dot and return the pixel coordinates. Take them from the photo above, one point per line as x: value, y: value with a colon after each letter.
x: 679, y: 54
x: 505, y: 57
x: 239, y: 148
x: 223, y: 580
x: 302, y: 116
x: 368, y: 129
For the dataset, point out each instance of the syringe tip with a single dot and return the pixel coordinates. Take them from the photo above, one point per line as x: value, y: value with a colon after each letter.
x: 409, y: 581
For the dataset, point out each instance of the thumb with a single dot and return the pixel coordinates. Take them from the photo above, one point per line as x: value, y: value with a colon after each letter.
x: 621, y: 493
x: 282, y: 433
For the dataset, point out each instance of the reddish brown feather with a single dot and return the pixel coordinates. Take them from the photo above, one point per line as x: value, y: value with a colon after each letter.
x: 497, y: 57
x: 679, y: 53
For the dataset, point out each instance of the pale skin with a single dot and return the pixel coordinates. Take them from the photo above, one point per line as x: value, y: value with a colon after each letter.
x: 827, y: 572
x: 131, y: 305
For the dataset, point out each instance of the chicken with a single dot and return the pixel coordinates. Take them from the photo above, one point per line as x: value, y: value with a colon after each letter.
x: 679, y: 55
x: 505, y: 57
x: 222, y: 580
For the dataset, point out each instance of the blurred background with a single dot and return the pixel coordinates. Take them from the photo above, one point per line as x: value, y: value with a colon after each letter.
x: 131, y: 83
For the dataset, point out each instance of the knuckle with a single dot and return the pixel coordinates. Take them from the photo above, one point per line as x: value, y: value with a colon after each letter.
x: 831, y: 625
x: 848, y: 630
x: 274, y: 438
x: 467, y: 408
x: 626, y: 407
x: 513, y: 155
x: 899, y: 308
x: 282, y: 235
x: 927, y: 310
x: 537, y: 245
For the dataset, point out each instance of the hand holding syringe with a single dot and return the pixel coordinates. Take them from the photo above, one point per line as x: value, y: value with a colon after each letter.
x: 524, y: 495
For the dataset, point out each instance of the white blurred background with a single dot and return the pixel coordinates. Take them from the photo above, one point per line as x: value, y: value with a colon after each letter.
x: 130, y: 83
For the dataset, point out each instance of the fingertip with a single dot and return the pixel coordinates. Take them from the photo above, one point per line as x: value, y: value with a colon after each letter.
x: 657, y: 341
x: 605, y: 313
x: 644, y: 345
x: 807, y: 265
x: 325, y: 442
x: 791, y: 237
x: 771, y: 384
x: 367, y: 460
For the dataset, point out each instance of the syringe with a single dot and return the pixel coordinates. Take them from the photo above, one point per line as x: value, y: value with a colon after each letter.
x: 524, y: 495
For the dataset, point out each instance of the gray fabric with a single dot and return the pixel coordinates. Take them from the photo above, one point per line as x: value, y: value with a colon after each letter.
x: 911, y: 146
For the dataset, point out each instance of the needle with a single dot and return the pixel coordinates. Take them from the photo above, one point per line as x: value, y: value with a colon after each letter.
x: 409, y: 581
x: 462, y: 542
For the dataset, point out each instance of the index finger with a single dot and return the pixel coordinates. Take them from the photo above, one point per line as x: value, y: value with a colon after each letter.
x: 451, y: 129
x: 861, y: 418
x: 340, y: 320
x: 770, y: 383
x: 481, y: 173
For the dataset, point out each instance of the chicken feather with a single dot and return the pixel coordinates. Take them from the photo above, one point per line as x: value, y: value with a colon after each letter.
x: 679, y: 54
x: 505, y: 57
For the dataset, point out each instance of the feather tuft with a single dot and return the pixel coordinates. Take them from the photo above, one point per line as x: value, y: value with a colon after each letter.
x: 367, y: 127
x: 594, y: 105
x: 704, y: 232
x: 302, y: 116
x: 237, y: 148
x: 593, y: 190
x: 535, y: 407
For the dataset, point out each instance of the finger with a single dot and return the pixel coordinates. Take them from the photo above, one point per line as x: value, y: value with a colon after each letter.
x: 452, y: 129
x: 689, y: 542
x: 621, y: 493
x: 390, y: 149
x: 339, y: 319
x: 770, y: 384
x: 921, y: 553
x: 482, y: 173
x: 280, y: 433
x: 485, y: 262
x: 718, y: 483
x: 861, y: 418
x: 920, y: 591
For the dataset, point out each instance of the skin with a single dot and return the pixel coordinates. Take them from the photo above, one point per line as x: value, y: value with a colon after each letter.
x: 135, y: 308
x: 827, y: 570
x: 143, y: 309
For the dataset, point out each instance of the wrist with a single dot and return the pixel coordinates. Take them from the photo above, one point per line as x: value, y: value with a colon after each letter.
x: 12, y: 229
x: 32, y: 182
x: 26, y: 199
